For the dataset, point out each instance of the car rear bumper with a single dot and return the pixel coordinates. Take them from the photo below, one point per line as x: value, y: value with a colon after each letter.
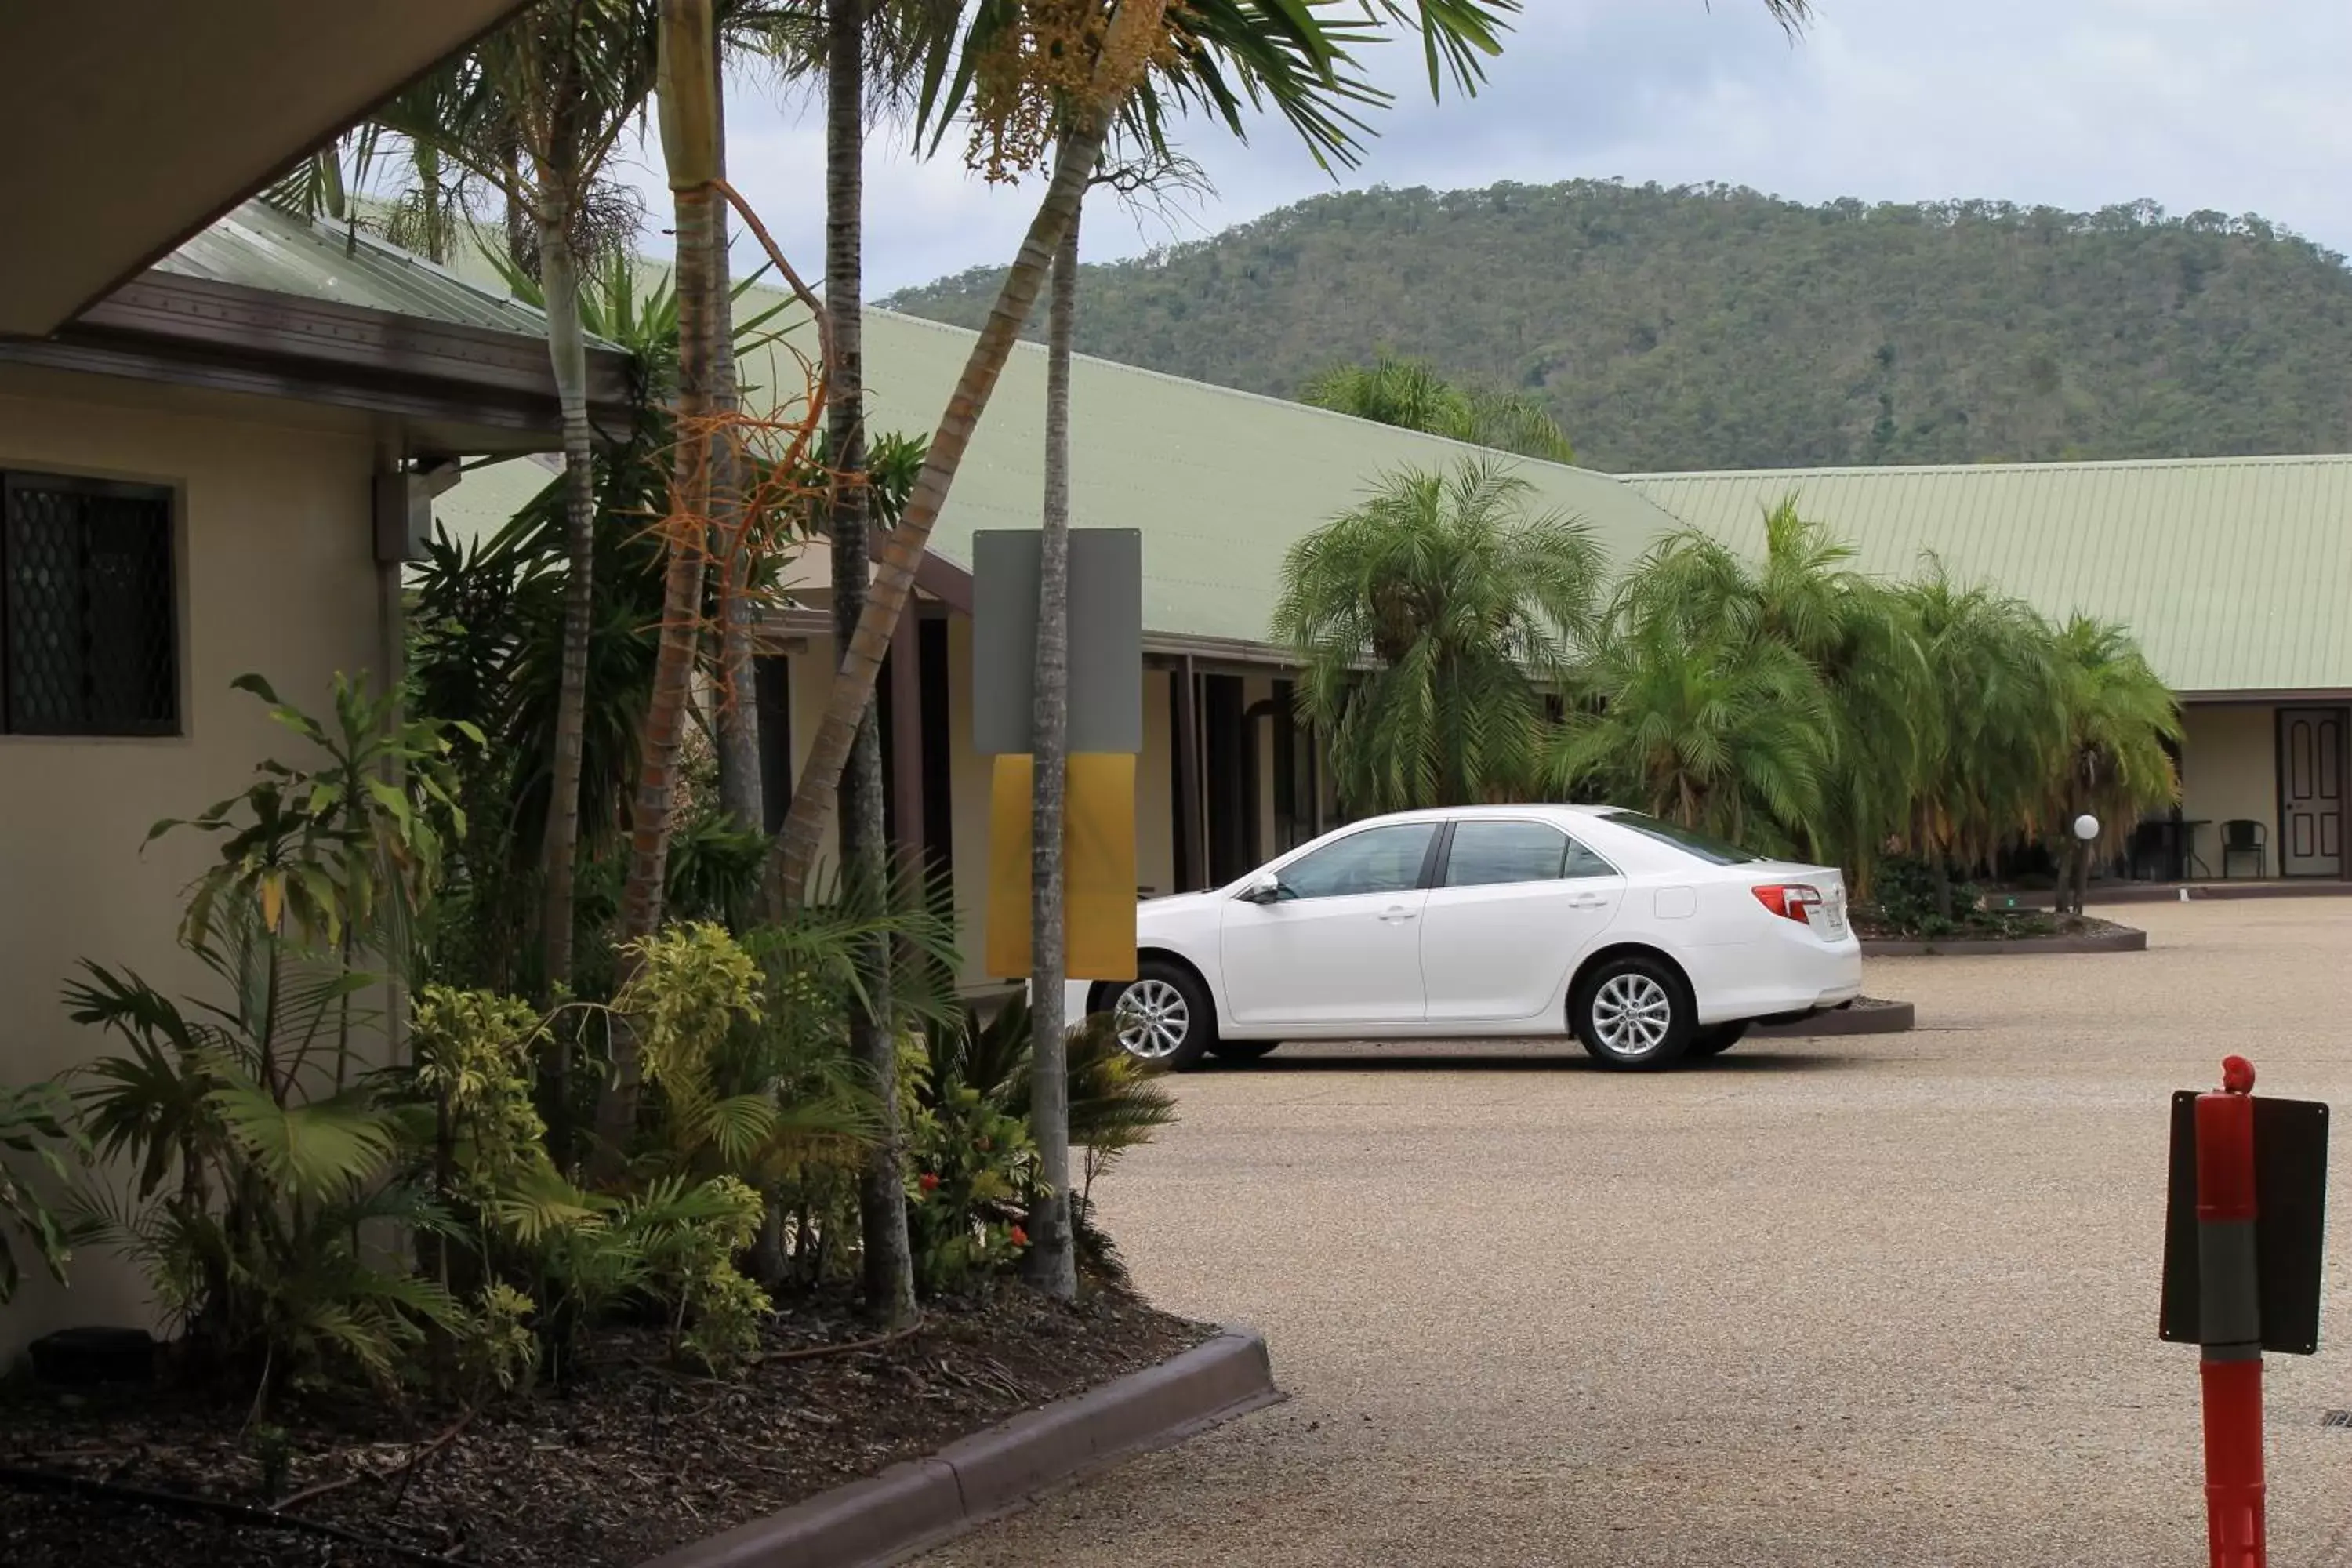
x: 1792, y: 973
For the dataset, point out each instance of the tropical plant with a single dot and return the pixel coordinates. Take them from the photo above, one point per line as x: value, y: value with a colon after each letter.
x: 1736, y: 739
x: 1035, y: 82
x: 36, y: 1123
x: 1994, y: 739
x: 256, y: 1247
x: 2118, y: 716
x: 342, y: 855
x: 1804, y: 596
x: 1411, y: 395
x: 1433, y: 620
x: 1113, y: 1102
x: 534, y: 112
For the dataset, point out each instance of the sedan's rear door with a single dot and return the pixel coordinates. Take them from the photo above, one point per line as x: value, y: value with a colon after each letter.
x: 1515, y: 902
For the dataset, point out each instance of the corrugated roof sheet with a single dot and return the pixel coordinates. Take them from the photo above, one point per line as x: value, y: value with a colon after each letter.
x: 2235, y: 573
x: 260, y: 246
x: 1221, y: 483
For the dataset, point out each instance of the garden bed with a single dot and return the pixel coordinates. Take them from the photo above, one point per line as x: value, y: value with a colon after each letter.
x: 635, y: 1459
x: 1995, y: 932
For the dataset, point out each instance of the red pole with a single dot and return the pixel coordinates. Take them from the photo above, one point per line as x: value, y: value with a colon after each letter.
x: 2230, y: 1315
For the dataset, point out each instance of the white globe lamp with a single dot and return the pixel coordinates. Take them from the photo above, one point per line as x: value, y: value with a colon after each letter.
x: 2087, y: 827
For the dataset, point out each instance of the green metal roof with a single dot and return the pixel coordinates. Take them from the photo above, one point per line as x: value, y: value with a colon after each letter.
x: 1221, y: 483
x: 261, y: 246
x: 2234, y: 572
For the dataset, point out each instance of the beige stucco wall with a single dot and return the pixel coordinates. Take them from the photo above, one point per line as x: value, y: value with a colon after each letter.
x: 2229, y: 768
x: 277, y: 576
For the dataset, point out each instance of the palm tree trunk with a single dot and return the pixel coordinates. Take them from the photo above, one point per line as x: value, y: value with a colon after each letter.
x: 568, y: 352
x: 1052, y: 1262
x: 690, y: 135
x: 740, y: 793
x: 889, y: 1264
x: 894, y: 575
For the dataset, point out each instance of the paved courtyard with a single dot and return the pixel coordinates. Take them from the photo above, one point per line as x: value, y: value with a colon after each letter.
x: 1876, y: 1302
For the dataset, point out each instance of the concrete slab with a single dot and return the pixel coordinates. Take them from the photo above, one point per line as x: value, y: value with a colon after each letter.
x: 1844, y: 1303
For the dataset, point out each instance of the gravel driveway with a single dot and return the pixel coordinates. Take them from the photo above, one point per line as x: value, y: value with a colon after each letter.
x: 1875, y: 1302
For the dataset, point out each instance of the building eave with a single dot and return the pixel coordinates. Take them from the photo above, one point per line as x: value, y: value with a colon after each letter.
x: 229, y: 336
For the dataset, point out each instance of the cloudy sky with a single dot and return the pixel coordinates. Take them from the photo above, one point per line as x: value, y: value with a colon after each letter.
x: 2227, y: 104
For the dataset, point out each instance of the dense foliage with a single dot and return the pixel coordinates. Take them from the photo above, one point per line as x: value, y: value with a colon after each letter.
x: 1712, y: 327
x: 1458, y: 650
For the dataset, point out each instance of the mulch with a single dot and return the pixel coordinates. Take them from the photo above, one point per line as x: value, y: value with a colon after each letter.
x: 634, y: 1459
x: 1991, y: 925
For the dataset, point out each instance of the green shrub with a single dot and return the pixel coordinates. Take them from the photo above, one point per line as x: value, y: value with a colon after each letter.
x: 36, y: 1121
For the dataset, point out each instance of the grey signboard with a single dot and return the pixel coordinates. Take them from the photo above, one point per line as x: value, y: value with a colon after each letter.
x: 1105, y: 640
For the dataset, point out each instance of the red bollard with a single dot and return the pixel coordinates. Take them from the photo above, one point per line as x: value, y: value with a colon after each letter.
x: 2230, y: 1314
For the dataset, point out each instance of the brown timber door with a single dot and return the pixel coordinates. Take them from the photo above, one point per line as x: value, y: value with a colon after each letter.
x: 2311, y: 791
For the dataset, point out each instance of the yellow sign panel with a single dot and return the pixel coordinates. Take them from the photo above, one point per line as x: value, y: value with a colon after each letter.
x: 1098, y: 867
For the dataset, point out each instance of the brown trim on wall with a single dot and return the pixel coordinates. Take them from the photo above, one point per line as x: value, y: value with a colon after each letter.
x: 905, y: 672
x: 1192, y: 840
x: 2291, y: 697
x: 225, y: 337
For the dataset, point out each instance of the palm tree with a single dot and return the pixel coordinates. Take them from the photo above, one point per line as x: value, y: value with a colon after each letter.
x: 1220, y: 54
x: 887, y: 1253
x: 1994, y: 736
x: 2118, y: 715
x: 534, y: 112
x: 1735, y: 738
x: 1855, y: 633
x: 1412, y: 395
x: 1431, y: 621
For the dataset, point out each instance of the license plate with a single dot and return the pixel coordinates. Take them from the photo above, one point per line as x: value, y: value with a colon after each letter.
x: 1833, y: 915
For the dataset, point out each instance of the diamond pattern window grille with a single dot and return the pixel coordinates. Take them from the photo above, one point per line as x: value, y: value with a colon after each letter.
x: 86, y: 617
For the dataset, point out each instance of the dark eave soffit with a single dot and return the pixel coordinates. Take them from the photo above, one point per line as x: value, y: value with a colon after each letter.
x: 230, y: 338
x: 129, y: 128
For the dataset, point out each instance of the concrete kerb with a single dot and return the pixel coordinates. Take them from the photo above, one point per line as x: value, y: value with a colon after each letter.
x: 911, y: 1508
x: 2124, y: 938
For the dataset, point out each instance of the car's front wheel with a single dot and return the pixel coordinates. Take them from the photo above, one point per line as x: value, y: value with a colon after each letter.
x: 1163, y: 1016
x: 1633, y: 1012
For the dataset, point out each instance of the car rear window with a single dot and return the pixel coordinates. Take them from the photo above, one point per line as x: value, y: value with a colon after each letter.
x: 1714, y: 851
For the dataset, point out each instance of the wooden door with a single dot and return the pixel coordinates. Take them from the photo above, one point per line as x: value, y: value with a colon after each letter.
x: 2311, y: 791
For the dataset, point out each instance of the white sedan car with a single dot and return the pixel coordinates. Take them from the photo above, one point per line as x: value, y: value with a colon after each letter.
x: 1645, y: 940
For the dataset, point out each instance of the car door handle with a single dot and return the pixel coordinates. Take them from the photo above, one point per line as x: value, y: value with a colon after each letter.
x: 1588, y: 901
x: 1396, y: 917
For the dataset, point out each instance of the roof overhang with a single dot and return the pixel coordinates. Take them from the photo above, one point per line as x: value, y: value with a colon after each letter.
x: 131, y: 130
x: 225, y: 337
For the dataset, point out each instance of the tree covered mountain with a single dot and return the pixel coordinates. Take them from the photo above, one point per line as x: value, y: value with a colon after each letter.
x: 1715, y: 327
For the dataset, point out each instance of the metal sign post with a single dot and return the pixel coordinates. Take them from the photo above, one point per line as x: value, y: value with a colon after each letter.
x: 2243, y: 1229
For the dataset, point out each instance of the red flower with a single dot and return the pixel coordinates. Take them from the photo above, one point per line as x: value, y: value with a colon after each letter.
x: 1020, y: 1237
x: 929, y: 1182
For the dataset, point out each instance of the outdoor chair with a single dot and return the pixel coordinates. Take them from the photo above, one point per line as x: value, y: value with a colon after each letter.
x: 2149, y: 854
x: 2241, y: 837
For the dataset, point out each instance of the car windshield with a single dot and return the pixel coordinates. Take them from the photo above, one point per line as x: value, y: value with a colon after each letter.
x: 1714, y: 851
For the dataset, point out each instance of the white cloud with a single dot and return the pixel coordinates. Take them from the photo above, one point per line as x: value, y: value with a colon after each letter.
x: 2227, y: 104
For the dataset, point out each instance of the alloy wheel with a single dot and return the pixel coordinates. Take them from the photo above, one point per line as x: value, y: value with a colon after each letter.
x: 1152, y: 1019
x: 1632, y: 1016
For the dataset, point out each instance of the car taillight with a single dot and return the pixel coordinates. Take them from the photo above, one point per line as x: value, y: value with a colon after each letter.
x: 1790, y: 900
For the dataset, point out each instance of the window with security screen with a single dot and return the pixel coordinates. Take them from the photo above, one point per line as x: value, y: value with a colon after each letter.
x: 87, y: 629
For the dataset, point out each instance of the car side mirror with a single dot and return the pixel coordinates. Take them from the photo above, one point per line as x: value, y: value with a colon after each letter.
x: 1263, y: 889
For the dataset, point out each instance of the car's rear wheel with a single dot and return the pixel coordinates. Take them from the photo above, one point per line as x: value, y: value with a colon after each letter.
x: 1163, y: 1016
x: 1242, y: 1050
x: 1718, y: 1039
x: 1633, y: 1012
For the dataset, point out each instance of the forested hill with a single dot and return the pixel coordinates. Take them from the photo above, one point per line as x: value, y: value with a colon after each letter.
x: 1718, y: 328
